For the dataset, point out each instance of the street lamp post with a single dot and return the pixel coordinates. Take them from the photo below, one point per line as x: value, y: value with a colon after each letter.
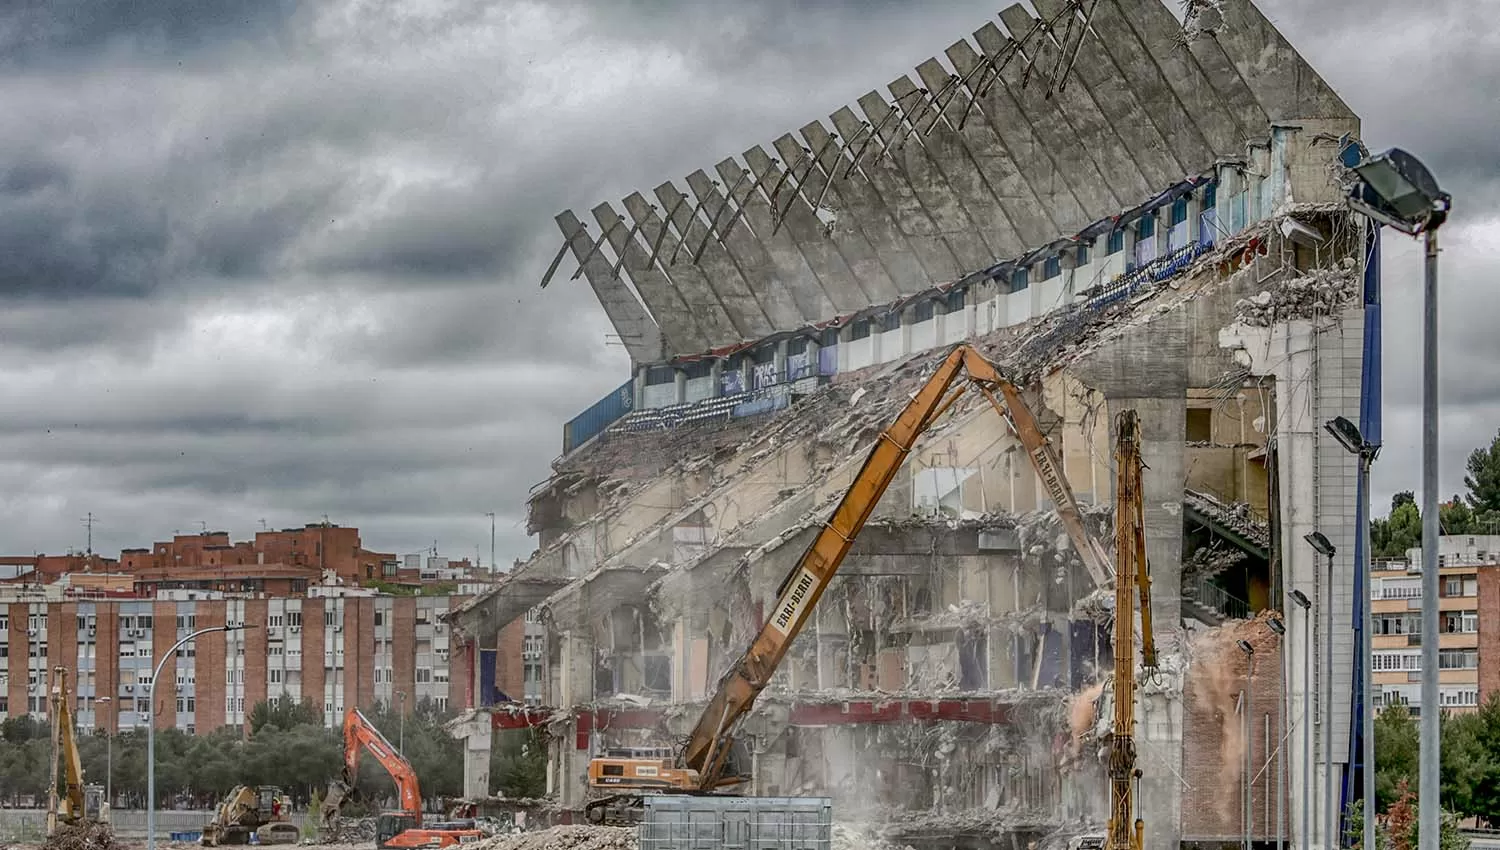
x: 1326, y: 548
x: 1305, y: 604
x: 1353, y: 441
x: 151, y: 728
x: 1276, y: 625
x: 493, y: 567
x: 1396, y: 189
x: 401, y: 737
x: 1249, y: 784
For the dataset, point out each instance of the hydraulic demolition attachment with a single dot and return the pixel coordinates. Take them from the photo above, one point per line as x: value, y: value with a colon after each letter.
x: 1127, y: 831
x: 711, y: 759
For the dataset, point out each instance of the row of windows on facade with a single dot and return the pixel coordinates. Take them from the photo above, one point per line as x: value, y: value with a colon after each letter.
x: 1460, y: 698
x: 1452, y: 587
x: 1452, y: 622
x: 188, y: 622
x: 1411, y: 662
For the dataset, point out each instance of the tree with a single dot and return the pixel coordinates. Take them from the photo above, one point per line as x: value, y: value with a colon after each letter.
x: 1483, y: 479
x: 1454, y: 517
x: 1401, y: 823
x: 284, y: 713
x: 1396, y: 756
x: 1402, y: 530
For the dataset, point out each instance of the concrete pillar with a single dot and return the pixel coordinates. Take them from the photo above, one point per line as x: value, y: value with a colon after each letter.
x: 679, y: 381
x: 778, y: 361
x: 716, y: 374
x: 638, y: 388
x: 477, y: 734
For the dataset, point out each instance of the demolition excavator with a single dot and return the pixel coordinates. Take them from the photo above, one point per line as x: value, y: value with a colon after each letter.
x: 393, y: 830
x: 79, y: 803
x: 1126, y: 831
x: 712, y: 760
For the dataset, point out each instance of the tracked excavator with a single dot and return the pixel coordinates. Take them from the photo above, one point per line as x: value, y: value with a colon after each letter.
x: 711, y: 760
x: 79, y: 803
x: 262, y: 811
x: 393, y: 830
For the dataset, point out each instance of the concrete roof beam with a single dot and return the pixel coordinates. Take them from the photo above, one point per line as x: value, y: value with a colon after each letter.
x: 796, y: 204
x: 1228, y: 116
x: 1130, y: 90
x: 744, y: 309
x: 873, y: 169
x: 996, y: 109
x: 1287, y: 87
x: 952, y: 158
x: 853, y: 198
x: 767, y: 275
x: 1052, y: 129
x: 1033, y: 222
x: 689, y: 280
x: 678, y: 323
x: 832, y: 269
x: 909, y: 158
x: 787, y: 253
x: 639, y: 333
x: 1093, y: 131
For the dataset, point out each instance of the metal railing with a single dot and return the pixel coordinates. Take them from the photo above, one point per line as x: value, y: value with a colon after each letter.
x: 1210, y: 595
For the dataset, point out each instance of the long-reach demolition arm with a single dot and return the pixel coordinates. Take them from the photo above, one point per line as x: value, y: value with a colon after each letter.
x: 71, y: 807
x: 709, y: 745
x: 360, y: 734
x: 1127, y: 832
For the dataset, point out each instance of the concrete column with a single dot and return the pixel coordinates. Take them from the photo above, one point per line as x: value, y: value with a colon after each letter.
x: 812, y: 355
x: 778, y: 360
x: 844, y: 349
x: 716, y: 374
x: 476, y: 733
x: 638, y: 388
x: 679, y: 381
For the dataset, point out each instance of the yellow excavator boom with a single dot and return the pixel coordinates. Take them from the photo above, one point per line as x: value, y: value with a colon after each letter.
x: 1126, y: 831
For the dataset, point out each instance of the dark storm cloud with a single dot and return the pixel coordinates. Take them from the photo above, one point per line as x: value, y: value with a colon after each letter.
x: 282, y: 263
x: 52, y: 32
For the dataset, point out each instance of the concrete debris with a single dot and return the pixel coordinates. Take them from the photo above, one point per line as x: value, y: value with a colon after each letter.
x: 1208, y: 561
x: 563, y: 838
x: 1201, y: 18
x: 1098, y: 606
x: 862, y: 837
x: 1318, y: 293
x: 82, y: 836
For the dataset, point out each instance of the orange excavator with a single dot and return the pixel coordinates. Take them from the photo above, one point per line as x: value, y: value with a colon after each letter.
x: 711, y: 760
x: 399, y: 829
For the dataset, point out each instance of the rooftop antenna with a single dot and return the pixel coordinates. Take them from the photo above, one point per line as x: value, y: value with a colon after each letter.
x: 88, y: 522
x: 203, y: 527
x: 262, y: 524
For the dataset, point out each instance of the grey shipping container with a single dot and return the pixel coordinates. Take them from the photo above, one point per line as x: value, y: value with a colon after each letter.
x: 686, y: 822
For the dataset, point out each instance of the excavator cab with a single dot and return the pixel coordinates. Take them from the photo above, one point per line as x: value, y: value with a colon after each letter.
x: 391, y: 824
x: 93, y: 802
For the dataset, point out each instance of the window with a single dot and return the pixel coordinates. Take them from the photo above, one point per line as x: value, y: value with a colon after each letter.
x: 860, y: 329
x: 186, y: 705
x: 187, y: 621
x: 1051, y: 268
x: 1179, y: 211
x: 1146, y: 227
x: 1200, y: 424
x: 379, y: 619
x: 274, y: 650
x: 1210, y: 195
x: 1458, y: 659
x: 424, y: 675
x: 274, y: 676
x: 890, y: 321
x: 143, y: 650
x: 442, y: 703
x: 1460, y: 622
x: 953, y: 302
x: 440, y: 676
x: 658, y: 375
x: 294, y: 618
x: 1397, y: 661
x: 925, y: 310
x: 328, y: 618
x: 1020, y: 279
x: 143, y: 621
x: 275, y: 621
x: 187, y: 650
x: 424, y: 616
x: 531, y: 672
x: 533, y: 615
x: 1082, y: 255
x: 1116, y: 242
x: 4, y: 622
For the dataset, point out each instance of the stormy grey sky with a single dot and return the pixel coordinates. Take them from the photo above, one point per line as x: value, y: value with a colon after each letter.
x: 276, y: 260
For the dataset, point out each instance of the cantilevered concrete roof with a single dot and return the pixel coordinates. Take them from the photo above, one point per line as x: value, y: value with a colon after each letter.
x: 1009, y: 142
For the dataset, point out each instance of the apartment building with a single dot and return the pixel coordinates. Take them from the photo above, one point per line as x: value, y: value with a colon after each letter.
x: 1466, y: 566
x: 338, y: 646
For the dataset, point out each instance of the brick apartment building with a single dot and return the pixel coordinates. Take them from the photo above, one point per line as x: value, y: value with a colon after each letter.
x: 317, y: 634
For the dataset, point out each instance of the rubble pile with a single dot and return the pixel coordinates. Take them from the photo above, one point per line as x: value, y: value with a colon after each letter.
x: 1235, y: 516
x: 564, y: 838
x: 1317, y: 293
x: 82, y: 836
x: 861, y: 837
